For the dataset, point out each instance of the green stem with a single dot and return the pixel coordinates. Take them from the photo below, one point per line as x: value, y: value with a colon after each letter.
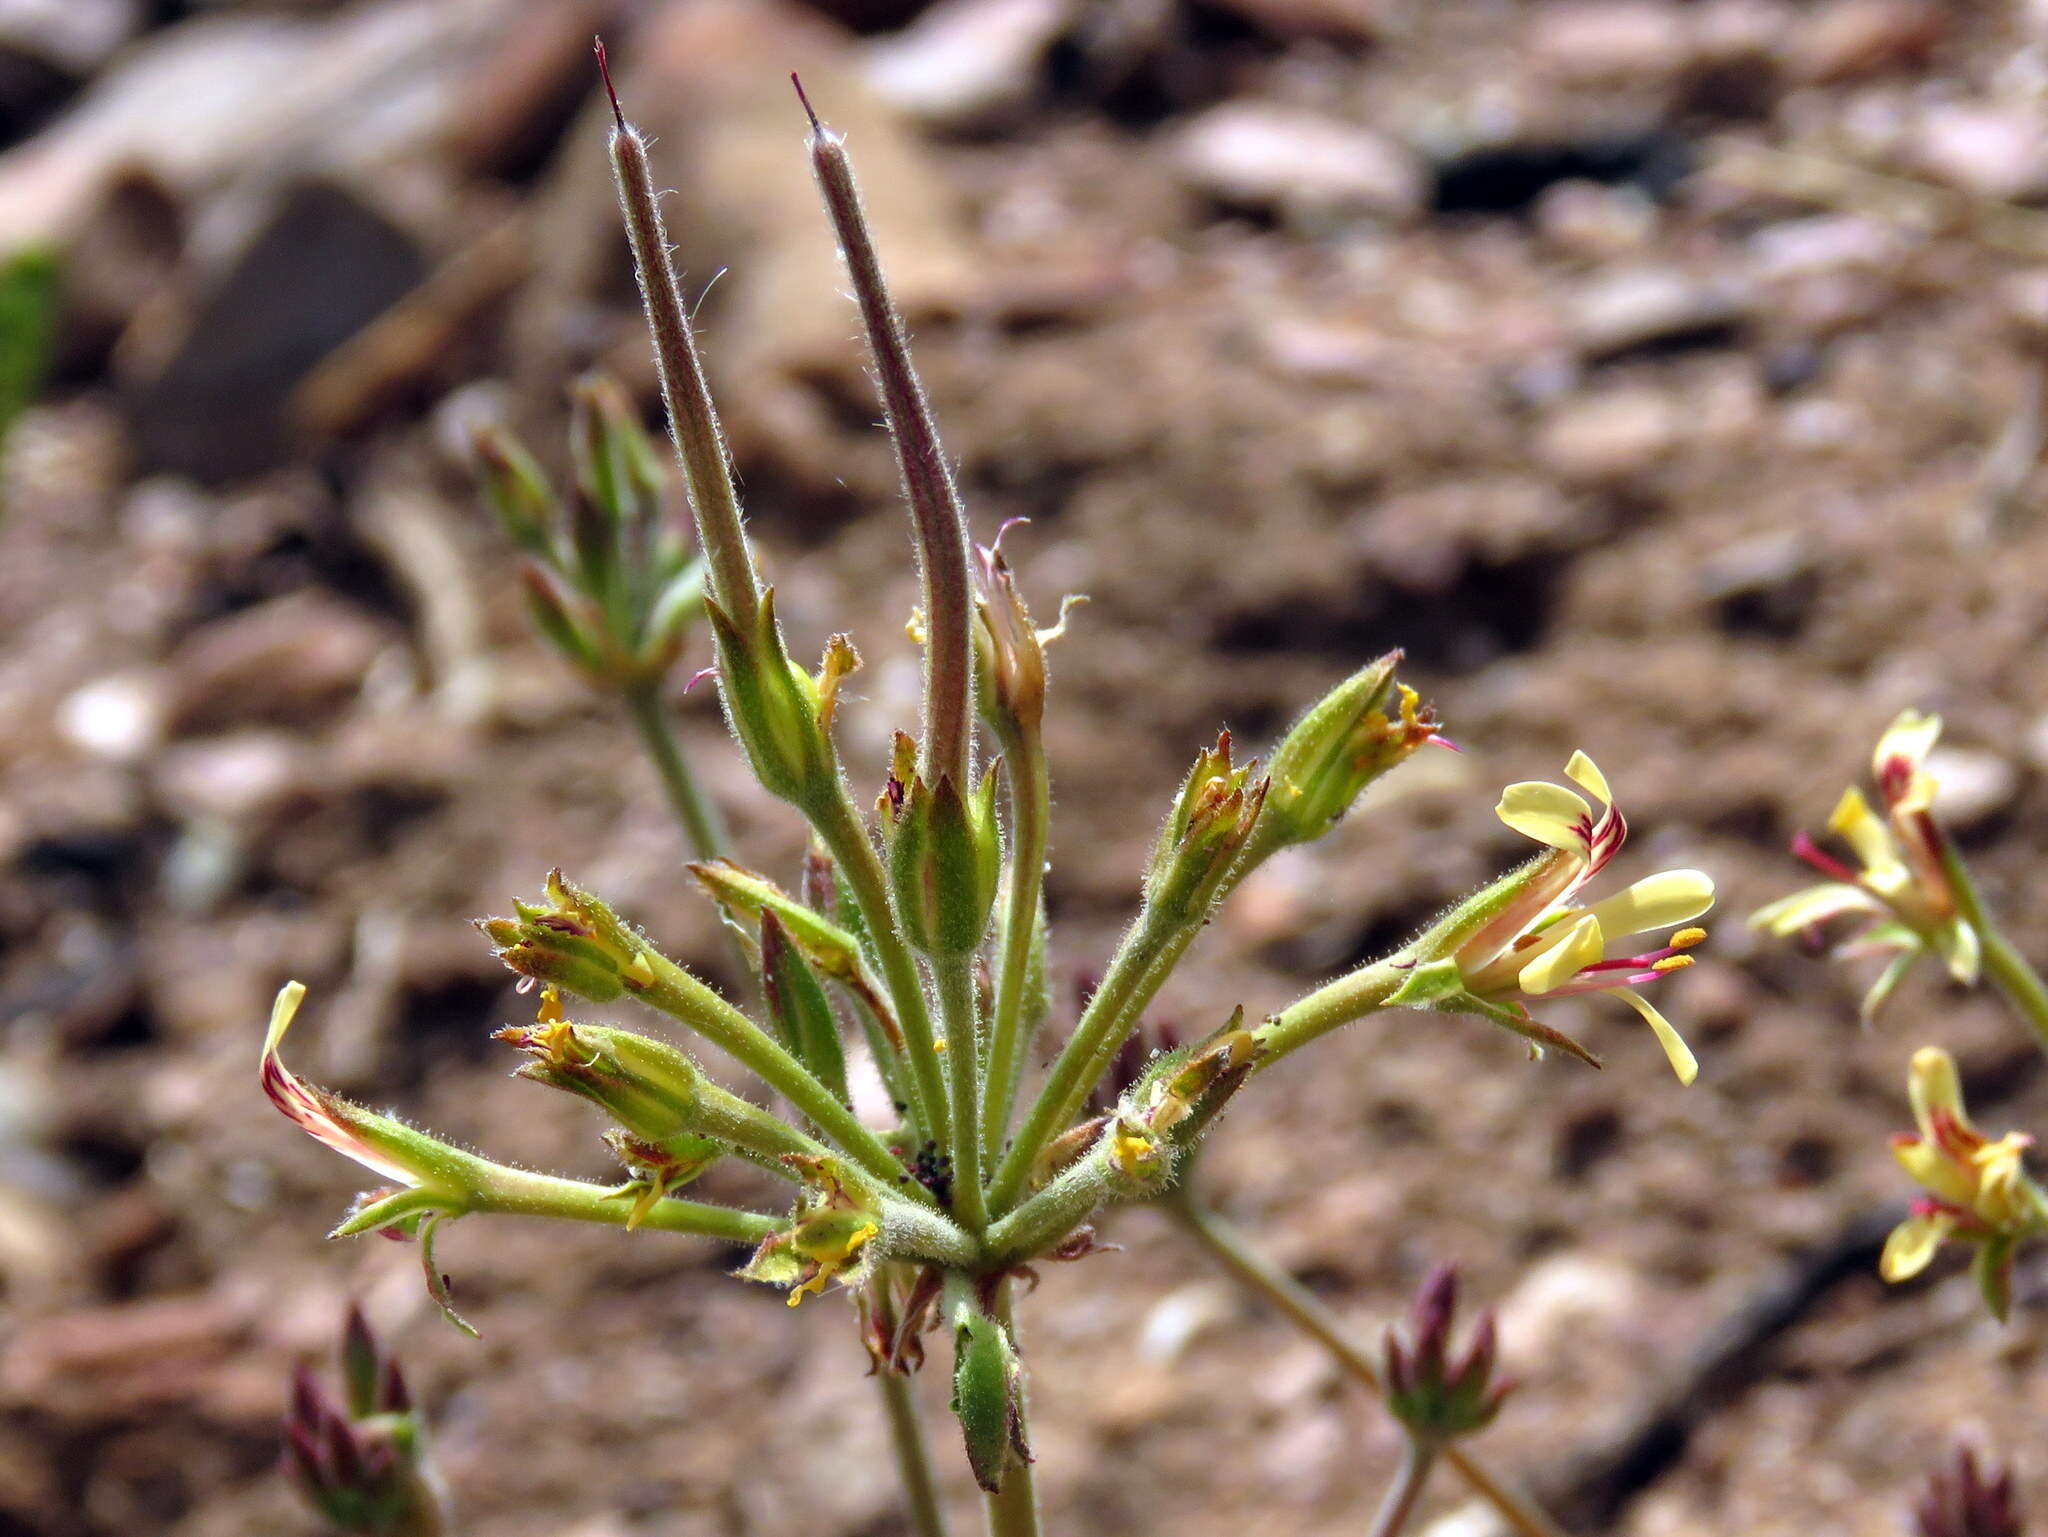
x: 1149, y: 952
x: 1406, y: 1491
x: 913, y: 1458
x: 701, y: 823
x: 523, y: 1193
x: 2021, y: 984
x: 1030, y: 825
x: 955, y: 977
x: 1229, y: 1248
x: 1013, y: 1509
x: 674, y: 992
x: 839, y: 828
x: 1351, y: 997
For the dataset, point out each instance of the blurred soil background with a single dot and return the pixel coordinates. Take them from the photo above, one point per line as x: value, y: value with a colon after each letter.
x: 1666, y: 377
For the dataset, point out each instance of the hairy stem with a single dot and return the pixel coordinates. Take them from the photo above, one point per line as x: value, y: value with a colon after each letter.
x: 523, y: 1193
x: 701, y: 823
x: 839, y: 828
x: 682, y: 997
x: 2022, y: 985
x: 1405, y: 1493
x: 1030, y: 825
x: 1351, y: 997
x: 1223, y: 1243
x: 692, y: 418
x: 955, y: 977
x: 936, y: 515
x: 1151, y: 948
x: 913, y: 1457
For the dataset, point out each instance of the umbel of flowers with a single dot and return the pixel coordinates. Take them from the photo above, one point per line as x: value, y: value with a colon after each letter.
x: 914, y: 941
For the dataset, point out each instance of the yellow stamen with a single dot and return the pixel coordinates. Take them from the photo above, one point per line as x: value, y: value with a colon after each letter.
x: 1685, y: 939
x: 550, y: 1011
x: 1671, y: 963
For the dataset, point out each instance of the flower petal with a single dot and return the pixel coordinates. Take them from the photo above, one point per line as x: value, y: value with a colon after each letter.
x: 1866, y: 833
x: 1660, y: 901
x: 1934, y: 1171
x: 1961, y: 947
x: 323, y: 1116
x: 1910, y: 1248
x: 1546, y: 812
x: 1574, y: 947
x: 1585, y: 773
x: 1816, y: 904
x: 1910, y: 736
x: 1933, y: 1086
x: 1676, y: 1052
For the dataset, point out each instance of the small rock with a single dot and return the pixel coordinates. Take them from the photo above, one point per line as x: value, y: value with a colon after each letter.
x: 1612, y: 40
x: 1609, y: 436
x: 1302, y: 164
x: 286, y: 660
x: 1990, y: 151
x: 1595, y: 222
x: 118, y: 718
x: 965, y: 61
x: 1849, y: 39
x: 235, y: 778
x: 1824, y: 243
x: 1619, y: 311
x: 1975, y: 784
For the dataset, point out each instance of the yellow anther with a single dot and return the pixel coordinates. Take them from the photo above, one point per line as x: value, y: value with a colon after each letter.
x: 1671, y: 963
x: 1685, y: 939
x: 639, y: 971
x: 939, y: 1045
x: 550, y: 1010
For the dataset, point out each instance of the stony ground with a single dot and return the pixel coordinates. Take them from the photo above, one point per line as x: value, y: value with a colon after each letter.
x: 1664, y: 377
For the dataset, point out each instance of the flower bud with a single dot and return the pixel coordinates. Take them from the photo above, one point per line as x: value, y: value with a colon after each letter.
x: 648, y: 1087
x: 826, y: 1237
x: 515, y: 486
x: 1212, y: 818
x: 945, y: 861
x: 988, y: 1387
x: 773, y: 705
x: 1343, y: 744
x: 1963, y: 1499
x: 572, y: 941
x: 1437, y: 1399
x: 362, y: 1464
x: 746, y: 898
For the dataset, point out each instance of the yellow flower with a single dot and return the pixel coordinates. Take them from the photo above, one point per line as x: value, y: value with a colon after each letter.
x: 1977, y: 1189
x: 1903, y: 884
x: 1538, y: 944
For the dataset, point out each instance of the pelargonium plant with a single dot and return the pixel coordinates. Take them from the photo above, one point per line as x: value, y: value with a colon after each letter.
x: 913, y: 944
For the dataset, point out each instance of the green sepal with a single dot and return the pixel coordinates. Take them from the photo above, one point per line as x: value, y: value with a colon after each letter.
x: 1429, y: 984
x: 945, y: 863
x: 988, y: 1387
x: 798, y: 1008
x: 772, y: 705
x: 1991, y: 1269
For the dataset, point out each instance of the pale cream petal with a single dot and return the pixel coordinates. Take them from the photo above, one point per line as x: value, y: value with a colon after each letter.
x: 1866, y: 833
x: 1816, y: 904
x: 1960, y: 946
x: 1676, y: 1052
x: 1911, y: 736
x: 1934, y: 1171
x: 1563, y: 956
x: 1932, y: 1084
x: 1660, y: 901
x: 1585, y: 773
x: 1910, y: 1248
x: 1546, y: 812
